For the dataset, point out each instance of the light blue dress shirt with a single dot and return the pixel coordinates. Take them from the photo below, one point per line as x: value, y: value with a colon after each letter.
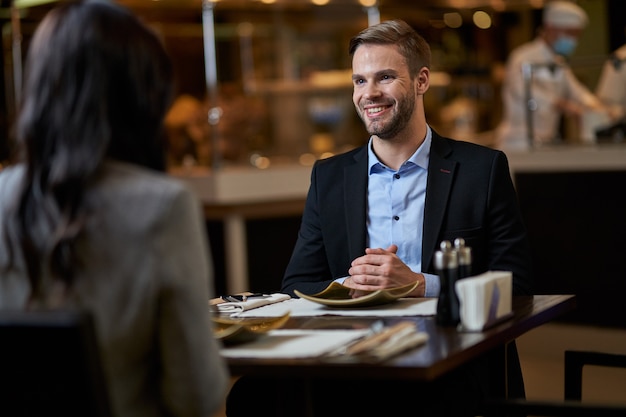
x: 395, y: 208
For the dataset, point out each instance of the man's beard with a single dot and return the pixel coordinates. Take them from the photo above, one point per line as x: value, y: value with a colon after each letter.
x: 399, y: 120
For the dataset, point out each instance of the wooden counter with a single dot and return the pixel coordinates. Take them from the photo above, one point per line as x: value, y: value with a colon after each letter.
x: 236, y: 195
x: 570, y: 158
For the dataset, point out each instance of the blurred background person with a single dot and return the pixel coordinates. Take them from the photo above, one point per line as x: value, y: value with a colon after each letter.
x: 608, y: 123
x: 611, y: 88
x: 89, y: 220
x: 554, y: 89
x: 187, y: 131
x: 241, y: 127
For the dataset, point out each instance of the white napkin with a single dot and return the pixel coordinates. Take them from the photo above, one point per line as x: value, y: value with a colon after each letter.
x: 485, y: 299
x: 235, y: 308
x: 396, y: 345
x: 387, y: 342
x: 294, y: 343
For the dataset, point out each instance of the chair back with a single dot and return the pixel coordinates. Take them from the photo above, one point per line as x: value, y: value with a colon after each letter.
x: 50, y: 365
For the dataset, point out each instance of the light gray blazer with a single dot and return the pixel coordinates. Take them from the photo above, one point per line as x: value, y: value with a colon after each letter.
x: 147, y: 278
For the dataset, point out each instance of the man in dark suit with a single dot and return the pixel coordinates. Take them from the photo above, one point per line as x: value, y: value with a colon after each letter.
x: 464, y: 190
x: 374, y: 216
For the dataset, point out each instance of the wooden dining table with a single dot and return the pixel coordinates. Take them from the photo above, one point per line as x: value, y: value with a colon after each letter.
x: 446, y: 348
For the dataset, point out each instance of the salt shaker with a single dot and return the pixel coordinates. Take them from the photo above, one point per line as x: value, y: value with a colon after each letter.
x: 447, y: 267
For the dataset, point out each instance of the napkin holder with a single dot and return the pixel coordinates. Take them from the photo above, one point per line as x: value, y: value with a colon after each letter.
x: 485, y: 299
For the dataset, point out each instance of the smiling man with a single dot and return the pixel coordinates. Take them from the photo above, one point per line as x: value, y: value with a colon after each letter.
x: 375, y: 215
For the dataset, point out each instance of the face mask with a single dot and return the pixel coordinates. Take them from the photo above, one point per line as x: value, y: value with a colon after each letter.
x: 565, y: 45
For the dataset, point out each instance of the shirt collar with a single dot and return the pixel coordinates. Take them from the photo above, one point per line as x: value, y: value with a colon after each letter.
x: 419, y: 158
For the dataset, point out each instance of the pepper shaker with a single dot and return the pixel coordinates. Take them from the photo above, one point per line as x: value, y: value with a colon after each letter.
x: 447, y: 267
x: 465, y: 257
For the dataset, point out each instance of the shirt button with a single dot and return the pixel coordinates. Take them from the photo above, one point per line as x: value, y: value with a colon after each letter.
x: 397, y: 176
x: 396, y: 218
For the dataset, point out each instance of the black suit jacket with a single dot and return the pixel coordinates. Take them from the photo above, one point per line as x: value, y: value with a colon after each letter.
x: 469, y: 194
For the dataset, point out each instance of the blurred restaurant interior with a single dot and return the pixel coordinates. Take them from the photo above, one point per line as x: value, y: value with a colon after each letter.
x: 264, y: 90
x: 286, y: 63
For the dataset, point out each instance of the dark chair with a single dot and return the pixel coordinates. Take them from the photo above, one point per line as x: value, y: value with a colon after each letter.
x: 50, y: 365
x: 518, y: 408
x: 574, y: 361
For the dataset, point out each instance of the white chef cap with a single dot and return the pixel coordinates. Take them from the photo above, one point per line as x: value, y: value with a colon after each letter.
x: 564, y: 14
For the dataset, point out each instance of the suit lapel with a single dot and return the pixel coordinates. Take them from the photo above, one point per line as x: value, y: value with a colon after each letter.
x: 355, y: 203
x: 440, y: 175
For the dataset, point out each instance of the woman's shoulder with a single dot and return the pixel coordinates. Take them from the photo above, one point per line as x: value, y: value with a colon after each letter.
x: 10, y: 177
x: 133, y: 202
x: 11, y: 172
x: 126, y: 177
x: 135, y: 188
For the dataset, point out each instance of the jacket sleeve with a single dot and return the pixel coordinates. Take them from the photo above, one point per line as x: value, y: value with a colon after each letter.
x: 308, y: 269
x: 194, y: 377
x: 508, y: 247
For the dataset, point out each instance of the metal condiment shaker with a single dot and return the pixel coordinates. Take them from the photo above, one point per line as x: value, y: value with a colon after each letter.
x: 465, y: 257
x: 447, y: 266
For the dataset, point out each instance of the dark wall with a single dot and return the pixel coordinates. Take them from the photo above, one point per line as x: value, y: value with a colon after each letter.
x: 270, y: 243
x: 577, y: 228
x: 616, y: 23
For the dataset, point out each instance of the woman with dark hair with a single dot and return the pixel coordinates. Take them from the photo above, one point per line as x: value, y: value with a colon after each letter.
x: 90, y: 220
